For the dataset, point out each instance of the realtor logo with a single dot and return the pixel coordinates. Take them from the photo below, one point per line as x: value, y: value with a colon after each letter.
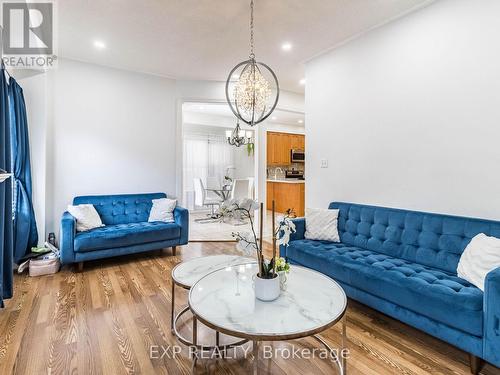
x: 28, y: 34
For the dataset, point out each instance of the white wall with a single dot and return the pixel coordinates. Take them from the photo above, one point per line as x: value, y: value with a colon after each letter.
x: 244, y: 163
x: 113, y: 132
x: 409, y: 115
x: 212, y: 91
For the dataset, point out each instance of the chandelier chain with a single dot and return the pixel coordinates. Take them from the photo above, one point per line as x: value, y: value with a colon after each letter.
x: 249, y: 92
x: 252, y: 54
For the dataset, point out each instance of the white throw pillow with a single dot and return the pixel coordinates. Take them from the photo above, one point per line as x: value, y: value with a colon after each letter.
x: 321, y: 224
x: 480, y: 256
x: 86, y: 217
x: 162, y: 210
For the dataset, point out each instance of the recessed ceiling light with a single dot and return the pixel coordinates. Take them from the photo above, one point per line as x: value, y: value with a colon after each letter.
x: 274, y: 118
x: 300, y: 121
x: 202, y: 107
x: 287, y: 46
x: 99, y: 44
x: 302, y: 81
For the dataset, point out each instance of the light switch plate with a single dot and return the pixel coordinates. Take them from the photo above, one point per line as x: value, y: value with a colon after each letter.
x: 324, y: 163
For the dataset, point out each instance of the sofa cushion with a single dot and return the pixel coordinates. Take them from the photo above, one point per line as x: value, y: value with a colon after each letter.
x: 425, y: 290
x: 121, y: 235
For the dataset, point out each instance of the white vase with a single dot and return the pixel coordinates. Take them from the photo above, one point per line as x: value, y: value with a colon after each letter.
x: 267, y: 289
x: 283, y: 279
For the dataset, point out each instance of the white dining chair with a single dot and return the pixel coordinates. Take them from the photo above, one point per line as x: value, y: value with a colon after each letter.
x: 201, y: 199
x: 241, y: 189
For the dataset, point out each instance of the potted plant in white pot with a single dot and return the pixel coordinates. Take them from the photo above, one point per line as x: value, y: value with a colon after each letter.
x: 266, y: 281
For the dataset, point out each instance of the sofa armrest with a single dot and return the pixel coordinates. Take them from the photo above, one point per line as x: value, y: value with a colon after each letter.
x: 181, y: 217
x: 300, y: 229
x: 68, y: 232
x: 491, y: 342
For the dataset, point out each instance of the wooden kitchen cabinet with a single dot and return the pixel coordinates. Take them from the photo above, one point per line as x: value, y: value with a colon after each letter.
x: 278, y: 149
x: 286, y: 195
x: 272, y: 149
x: 297, y: 142
x: 279, y: 146
x: 284, y: 147
x: 269, y: 195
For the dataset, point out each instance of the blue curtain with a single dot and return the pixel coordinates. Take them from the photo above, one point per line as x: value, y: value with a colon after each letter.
x: 25, y: 232
x: 6, y: 239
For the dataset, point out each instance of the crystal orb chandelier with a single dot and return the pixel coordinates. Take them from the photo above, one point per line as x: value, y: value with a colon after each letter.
x: 252, y: 88
x: 239, y: 137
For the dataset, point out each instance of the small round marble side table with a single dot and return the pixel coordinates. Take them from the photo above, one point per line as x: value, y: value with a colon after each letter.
x: 186, y: 274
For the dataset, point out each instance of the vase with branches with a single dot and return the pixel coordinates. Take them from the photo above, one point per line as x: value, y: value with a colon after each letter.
x: 251, y: 243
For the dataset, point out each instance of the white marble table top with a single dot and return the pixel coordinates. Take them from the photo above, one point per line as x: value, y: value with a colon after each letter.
x: 190, y: 271
x: 225, y: 300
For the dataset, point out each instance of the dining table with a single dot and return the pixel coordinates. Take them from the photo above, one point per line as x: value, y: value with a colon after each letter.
x: 223, y: 192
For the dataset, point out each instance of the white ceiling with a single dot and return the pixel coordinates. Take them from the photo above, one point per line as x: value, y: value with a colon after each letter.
x: 204, y: 39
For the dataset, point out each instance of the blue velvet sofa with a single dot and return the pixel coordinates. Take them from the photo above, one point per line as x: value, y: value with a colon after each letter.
x: 403, y: 263
x: 126, y: 229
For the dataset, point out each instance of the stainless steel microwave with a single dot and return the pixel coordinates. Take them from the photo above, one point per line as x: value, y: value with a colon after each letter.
x: 297, y: 156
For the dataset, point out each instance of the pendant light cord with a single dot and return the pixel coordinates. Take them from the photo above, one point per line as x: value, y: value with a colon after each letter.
x: 252, y: 54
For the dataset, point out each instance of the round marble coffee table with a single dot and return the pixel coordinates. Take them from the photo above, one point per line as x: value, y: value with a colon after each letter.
x: 225, y: 301
x: 187, y: 273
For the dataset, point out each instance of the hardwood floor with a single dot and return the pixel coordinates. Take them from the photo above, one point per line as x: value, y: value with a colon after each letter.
x: 108, y: 319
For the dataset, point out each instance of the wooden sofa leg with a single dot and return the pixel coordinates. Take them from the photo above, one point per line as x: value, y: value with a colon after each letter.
x: 80, y: 267
x: 174, y: 250
x: 476, y: 364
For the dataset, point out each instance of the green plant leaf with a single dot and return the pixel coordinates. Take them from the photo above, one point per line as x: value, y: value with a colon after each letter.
x: 250, y: 149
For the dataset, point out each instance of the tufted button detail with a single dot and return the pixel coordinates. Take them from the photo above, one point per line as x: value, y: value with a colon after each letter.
x: 427, y: 275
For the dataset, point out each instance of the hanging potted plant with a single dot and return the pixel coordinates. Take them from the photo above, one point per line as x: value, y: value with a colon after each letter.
x: 250, y: 149
x: 266, y: 281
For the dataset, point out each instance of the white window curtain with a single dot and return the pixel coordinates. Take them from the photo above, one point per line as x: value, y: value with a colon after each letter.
x: 206, y: 154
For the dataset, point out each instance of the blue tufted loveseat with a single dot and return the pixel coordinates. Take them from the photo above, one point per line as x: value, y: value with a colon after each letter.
x: 126, y: 229
x: 403, y: 263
